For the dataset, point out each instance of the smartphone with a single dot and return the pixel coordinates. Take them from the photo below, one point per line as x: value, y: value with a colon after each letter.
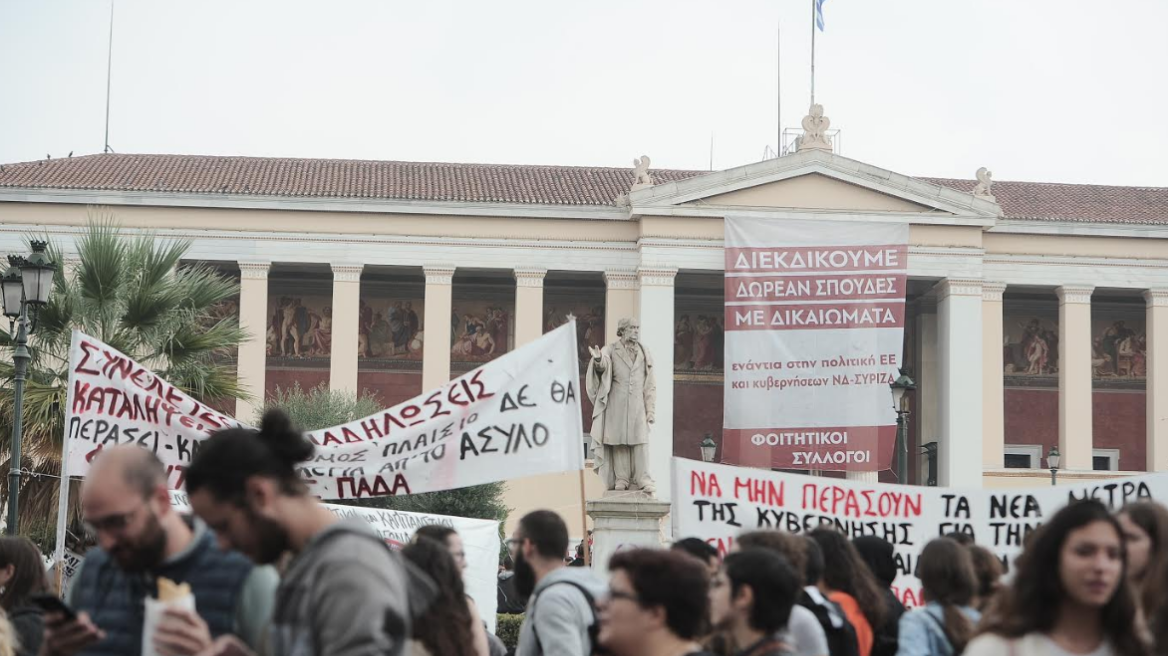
x: 51, y: 604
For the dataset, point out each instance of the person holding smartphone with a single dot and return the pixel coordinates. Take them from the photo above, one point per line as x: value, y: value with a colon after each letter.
x: 141, y: 539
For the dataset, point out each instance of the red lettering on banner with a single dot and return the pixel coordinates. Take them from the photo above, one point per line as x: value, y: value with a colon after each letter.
x: 705, y: 485
x: 837, y: 500
x: 86, y: 350
x: 759, y: 491
x: 723, y: 545
x: 360, y: 488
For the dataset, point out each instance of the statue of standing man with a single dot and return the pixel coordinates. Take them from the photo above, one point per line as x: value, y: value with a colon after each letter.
x: 623, y: 394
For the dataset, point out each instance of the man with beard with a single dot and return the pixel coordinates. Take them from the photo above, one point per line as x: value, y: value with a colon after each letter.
x: 344, y: 593
x: 140, y: 539
x: 561, y: 615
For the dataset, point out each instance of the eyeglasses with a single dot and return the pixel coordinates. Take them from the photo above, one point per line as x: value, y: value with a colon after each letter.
x: 112, y: 523
x: 613, y: 595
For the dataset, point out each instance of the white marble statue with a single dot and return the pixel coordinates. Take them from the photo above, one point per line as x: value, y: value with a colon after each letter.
x: 985, y: 184
x: 641, y: 177
x: 815, y: 126
x: 624, y: 397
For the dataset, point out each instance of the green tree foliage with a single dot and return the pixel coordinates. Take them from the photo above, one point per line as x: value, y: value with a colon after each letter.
x: 137, y: 295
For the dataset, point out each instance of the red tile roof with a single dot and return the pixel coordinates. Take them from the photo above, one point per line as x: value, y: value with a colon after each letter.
x: 495, y: 183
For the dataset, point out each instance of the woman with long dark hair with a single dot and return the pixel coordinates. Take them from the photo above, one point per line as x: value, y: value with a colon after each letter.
x: 1069, y: 595
x: 944, y: 625
x: 22, y: 575
x: 850, y: 583
x: 449, y: 538
x: 1145, y: 532
x: 445, y: 628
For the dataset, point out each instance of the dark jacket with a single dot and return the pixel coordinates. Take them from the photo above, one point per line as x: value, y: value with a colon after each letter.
x: 29, y: 624
x: 115, y: 600
x: 887, y: 635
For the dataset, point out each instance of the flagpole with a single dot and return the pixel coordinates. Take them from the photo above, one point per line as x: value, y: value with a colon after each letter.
x: 813, y: 52
x: 779, y: 87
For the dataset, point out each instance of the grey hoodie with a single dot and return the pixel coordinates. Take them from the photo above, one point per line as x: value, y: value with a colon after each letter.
x: 346, y: 594
x: 562, y: 615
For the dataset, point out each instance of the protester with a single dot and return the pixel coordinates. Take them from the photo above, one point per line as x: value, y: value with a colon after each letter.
x: 1069, y: 595
x: 1145, y: 530
x: 578, y: 560
x: 850, y: 584
x: 803, y: 633
x: 880, y: 556
x: 751, y: 598
x: 700, y: 549
x: 988, y: 571
x: 22, y: 575
x: 561, y: 611
x: 841, y: 635
x: 447, y: 628
x: 141, y: 539
x: 961, y: 537
x: 945, y: 624
x: 344, y: 593
x: 657, y: 605
x: 485, y: 643
x: 507, y: 597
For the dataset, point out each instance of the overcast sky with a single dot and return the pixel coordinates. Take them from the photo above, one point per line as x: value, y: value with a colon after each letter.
x: 1046, y: 90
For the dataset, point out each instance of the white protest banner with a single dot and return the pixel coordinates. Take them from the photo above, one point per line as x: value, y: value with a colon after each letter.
x: 814, y: 332
x: 480, y: 539
x: 518, y: 415
x: 718, y: 502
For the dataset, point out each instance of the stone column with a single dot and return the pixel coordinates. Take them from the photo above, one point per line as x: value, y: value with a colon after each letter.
x: 993, y: 384
x: 436, y: 343
x: 926, y: 414
x: 346, y: 327
x: 960, y: 325
x: 620, y: 300
x: 252, y: 362
x: 1157, y: 394
x: 1075, y: 377
x: 656, y: 304
x: 528, y: 305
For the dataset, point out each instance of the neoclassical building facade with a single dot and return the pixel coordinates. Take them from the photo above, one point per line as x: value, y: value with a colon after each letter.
x: 1038, y: 313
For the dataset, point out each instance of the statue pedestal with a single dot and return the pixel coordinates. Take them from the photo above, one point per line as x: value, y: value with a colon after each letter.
x: 621, y: 520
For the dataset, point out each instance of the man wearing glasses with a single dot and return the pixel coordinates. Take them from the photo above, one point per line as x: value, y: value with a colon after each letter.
x: 140, y: 539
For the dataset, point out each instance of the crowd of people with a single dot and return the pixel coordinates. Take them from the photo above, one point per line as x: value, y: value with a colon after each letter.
x: 269, y: 570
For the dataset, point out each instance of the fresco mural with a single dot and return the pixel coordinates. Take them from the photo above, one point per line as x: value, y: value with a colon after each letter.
x: 1119, y: 343
x: 1031, y: 343
x: 480, y: 331
x: 698, y: 335
x: 589, y: 313
x: 299, y: 326
x: 390, y: 328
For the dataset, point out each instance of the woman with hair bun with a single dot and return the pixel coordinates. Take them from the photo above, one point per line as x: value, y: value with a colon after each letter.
x: 344, y: 592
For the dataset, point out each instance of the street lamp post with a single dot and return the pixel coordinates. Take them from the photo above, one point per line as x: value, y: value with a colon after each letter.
x: 1052, y: 460
x: 709, y: 448
x: 899, y: 388
x: 25, y: 288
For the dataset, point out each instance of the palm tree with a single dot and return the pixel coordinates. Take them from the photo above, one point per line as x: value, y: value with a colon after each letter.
x: 135, y: 294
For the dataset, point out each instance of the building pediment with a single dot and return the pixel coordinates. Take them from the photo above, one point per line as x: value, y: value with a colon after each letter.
x: 814, y: 182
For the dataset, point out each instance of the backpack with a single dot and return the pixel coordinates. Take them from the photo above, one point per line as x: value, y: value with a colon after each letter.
x: 841, y: 640
x: 593, y: 628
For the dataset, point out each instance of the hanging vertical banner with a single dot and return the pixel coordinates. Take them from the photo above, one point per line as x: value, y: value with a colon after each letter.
x: 814, y: 333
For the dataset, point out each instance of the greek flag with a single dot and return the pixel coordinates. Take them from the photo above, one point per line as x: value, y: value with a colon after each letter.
x: 819, y: 14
